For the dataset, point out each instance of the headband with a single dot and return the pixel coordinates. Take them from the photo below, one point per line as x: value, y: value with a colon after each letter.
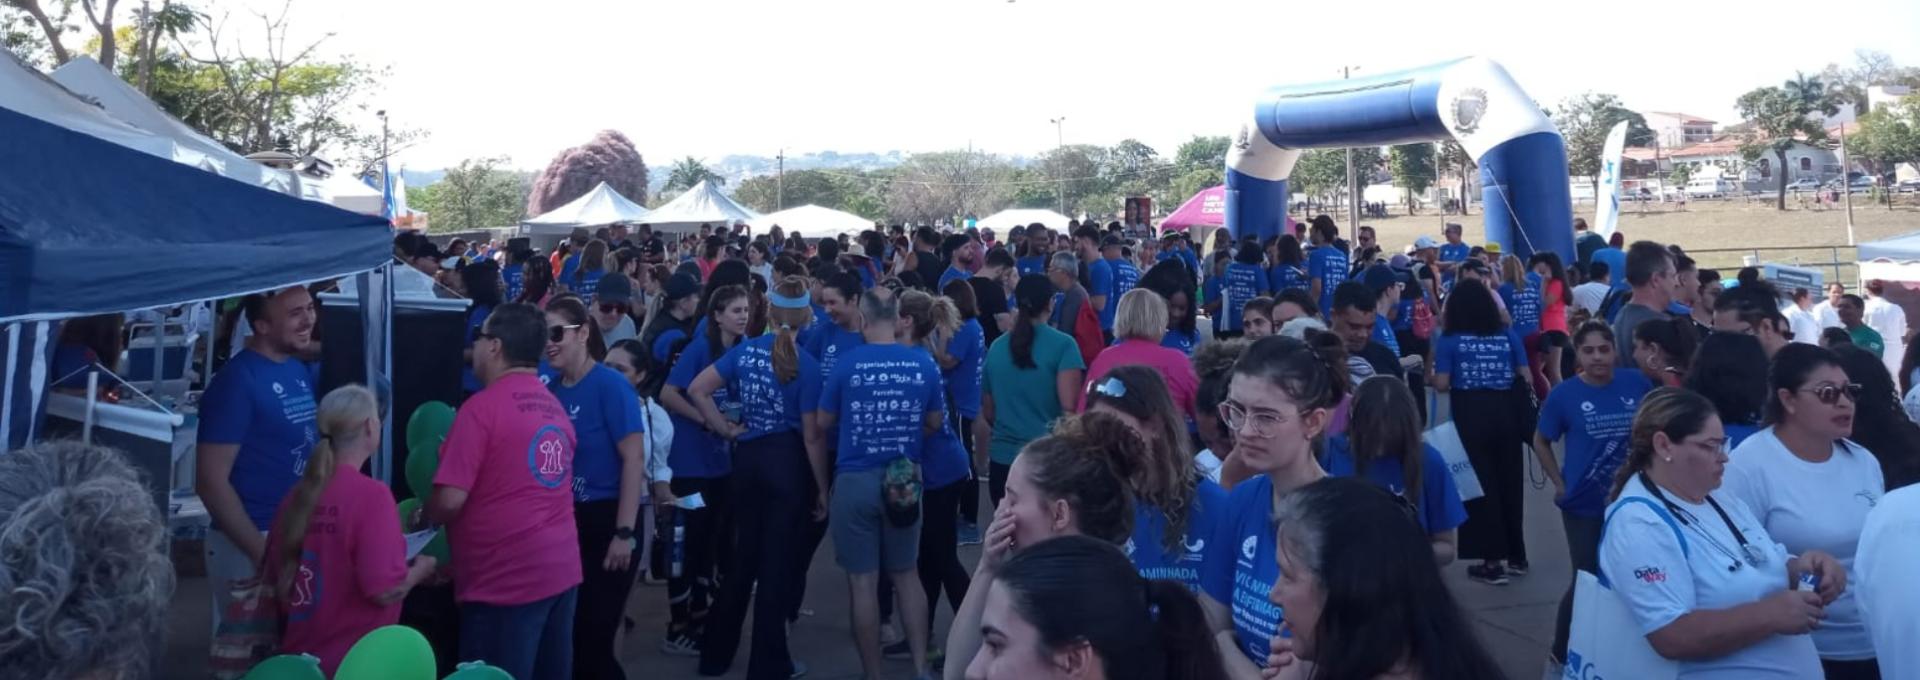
x: 804, y: 301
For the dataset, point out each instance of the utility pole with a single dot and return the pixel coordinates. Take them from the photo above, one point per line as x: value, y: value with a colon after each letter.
x: 1059, y: 145
x: 780, y: 181
x: 1353, y: 181
x: 1846, y: 181
x: 382, y: 113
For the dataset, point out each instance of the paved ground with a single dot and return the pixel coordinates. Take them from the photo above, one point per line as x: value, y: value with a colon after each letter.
x: 1515, y: 622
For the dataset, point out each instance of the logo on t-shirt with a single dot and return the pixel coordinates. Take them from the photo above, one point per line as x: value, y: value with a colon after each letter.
x: 546, y: 457
x: 1247, y: 546
x: 1868, y: 497
x: 1128, y: 548
x: 1194, y: 550
x: 1586, y: 406
x: 306, y: 588
x: 1650, y: 574
x: 277, y: 389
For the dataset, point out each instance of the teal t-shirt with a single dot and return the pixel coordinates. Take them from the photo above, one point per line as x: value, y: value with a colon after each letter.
x: 1025, y: 401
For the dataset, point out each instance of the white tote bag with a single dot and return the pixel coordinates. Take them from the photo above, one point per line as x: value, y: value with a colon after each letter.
x: 1446, y: 439
x: 1605, y: 640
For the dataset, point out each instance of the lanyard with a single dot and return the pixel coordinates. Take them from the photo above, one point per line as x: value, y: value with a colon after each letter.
x: 1749, y: 553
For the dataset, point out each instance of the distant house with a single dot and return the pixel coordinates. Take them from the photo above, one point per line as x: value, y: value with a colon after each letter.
x: 1721, y: 158
x: 1675, y: 130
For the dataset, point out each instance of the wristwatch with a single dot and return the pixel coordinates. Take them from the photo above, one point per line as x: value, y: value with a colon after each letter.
x: 623, y: 533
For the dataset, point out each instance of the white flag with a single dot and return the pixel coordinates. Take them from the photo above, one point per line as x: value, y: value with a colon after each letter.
x: 1606, y: 200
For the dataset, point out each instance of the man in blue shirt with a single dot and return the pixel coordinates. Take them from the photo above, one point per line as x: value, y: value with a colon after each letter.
x: 257, y: 426
x: 1125, y: 276
x: 1099, y: 276
x: 1326, y: 263
x: 885, y: 398
x: 963, y: 256
x: 1452, y: 253
x: 1039, y: 251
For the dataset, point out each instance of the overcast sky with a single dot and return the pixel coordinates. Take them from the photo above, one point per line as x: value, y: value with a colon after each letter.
x: 714, y: 77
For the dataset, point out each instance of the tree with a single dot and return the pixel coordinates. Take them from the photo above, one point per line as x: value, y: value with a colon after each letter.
x: 1076, y: 173
x: 930, y: 187
x: 1682, y: 173
x: 1454, y: 156
x: 1322, y: 173
x: 688, y: 172
x: 1887, y: 137
x: 476, y: 194
x: 1202, y: 152
x: 1413, y: 169
x: 1584, y: 123
x: 1030, y: 188
x: 1779, y: 119
x: 609, y: 157
x: 800, y: 187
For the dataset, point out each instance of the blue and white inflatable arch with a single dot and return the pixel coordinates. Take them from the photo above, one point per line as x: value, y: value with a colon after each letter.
x: 1523, y: 161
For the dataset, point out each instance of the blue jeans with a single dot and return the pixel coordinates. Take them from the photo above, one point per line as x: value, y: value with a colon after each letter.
x: 532, y: 641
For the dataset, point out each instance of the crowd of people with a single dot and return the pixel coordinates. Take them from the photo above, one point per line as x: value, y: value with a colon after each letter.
x: 1245, y: 494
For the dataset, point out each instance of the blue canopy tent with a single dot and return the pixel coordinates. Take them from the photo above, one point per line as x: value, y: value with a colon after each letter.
x: 88, y: 226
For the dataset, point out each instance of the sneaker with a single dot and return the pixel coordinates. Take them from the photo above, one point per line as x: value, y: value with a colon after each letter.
x: 1516, y: 568
x: 969, y: 533
x: 897, y: 650
x: 891, y: 635
x: 1490, y: 574
x: 799, y: 669
x: 680, y: 644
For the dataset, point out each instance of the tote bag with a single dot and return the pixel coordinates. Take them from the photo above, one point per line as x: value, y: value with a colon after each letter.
x: 1605, y: 640
x: 1446, y: 439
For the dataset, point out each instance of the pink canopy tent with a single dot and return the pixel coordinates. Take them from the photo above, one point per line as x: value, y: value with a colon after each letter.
x: 1206, y: 209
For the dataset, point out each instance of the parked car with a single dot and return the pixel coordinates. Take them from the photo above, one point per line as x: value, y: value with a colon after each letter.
x: 1804, y: 184
x: 1907, y: 186
x: 1710, y: 187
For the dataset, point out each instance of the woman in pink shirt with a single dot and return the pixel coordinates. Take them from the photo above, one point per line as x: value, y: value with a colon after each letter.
x: 335, y: 557
x: 1138, y: 325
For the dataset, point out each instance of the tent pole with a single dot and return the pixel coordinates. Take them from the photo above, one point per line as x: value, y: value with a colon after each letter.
x: 6, y: 398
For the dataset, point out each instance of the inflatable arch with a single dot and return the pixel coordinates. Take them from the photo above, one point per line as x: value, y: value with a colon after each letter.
x: 1523, y: 160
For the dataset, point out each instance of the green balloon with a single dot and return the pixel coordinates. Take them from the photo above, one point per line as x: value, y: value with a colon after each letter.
x: 478, y: 670
x: 388, y: 653
x: 287, y: 667
x: 425, y: 431
x: 437, y: 548
x: 407, y: 508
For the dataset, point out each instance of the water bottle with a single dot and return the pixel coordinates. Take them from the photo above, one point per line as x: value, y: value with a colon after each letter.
x: 679, y: 552
x: 1809, y: 582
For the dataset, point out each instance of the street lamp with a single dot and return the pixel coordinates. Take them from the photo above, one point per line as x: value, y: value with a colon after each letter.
x: 1059, y: 145
x: 1353, y: 186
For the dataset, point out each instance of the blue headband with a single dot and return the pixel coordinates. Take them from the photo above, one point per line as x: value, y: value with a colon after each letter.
x: 805, y: 301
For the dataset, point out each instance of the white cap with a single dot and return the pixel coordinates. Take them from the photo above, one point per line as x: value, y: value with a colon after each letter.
x: 1424, y: 243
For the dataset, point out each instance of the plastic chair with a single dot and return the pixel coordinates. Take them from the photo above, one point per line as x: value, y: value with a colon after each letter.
x: 388, y: 653
x: 287, y: 667
x: 478, y: 670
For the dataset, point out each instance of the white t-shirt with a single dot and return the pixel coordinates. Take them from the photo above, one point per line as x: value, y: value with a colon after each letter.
x: 1589, y: 295
x: 1890, y: 321
x: 1887, y: 563
x: 1912, y: 403
x: 1813, y: 506
x: 1660, y: 581
x: 1828, y: 316
x: 1805, y: 328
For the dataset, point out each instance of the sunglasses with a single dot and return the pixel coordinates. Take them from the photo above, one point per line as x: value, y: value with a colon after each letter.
x: 558, y: 333
x: 1830, y: 394
x: 611, y: 307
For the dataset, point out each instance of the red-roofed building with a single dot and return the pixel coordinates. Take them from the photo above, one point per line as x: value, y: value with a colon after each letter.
x: 1675, y: 130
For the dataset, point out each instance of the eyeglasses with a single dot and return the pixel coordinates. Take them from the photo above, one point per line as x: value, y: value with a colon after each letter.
x: 558, y: 333
x: 1111, y: 387
x: 610, y: 307
x: 1830, y: 394
x: 1260, y: 424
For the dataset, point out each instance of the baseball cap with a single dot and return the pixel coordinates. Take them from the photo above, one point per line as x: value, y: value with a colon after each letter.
x: 1112, y: 241
x: 1424, y: 243
x: 679, y: 286
x: 1493, y: 248
x: 614, y: 287
x: 1378, y: 277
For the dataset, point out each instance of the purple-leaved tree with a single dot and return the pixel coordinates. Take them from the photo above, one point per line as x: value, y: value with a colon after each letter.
x: 609, y: 158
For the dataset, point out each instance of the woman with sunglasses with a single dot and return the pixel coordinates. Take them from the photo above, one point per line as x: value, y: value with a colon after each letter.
x: 776, y: 449
x: 701, y: 465
x: 1279, y: 400
x: 1176, y: 510
x: 1478, y: 363
x: 1812, y: 488
x: 1698, y: 570
x: 609, y: 477
x: 1663, y: 349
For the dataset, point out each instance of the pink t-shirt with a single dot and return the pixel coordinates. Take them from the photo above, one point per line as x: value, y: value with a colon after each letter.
x: 511, y: 448
x: 1171, y: 363
x: 352, y: 554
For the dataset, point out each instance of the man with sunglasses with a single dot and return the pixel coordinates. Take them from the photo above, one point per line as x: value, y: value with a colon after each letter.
x: 613, y: 298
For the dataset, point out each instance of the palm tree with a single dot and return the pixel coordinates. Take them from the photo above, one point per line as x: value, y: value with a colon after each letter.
x: 690, y: 171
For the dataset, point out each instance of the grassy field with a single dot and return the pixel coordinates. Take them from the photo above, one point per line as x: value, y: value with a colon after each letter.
x: 1717, y: 233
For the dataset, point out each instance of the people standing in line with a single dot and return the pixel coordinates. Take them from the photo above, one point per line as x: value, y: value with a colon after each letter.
x: 668, y: 332
x: 613, y: 308
x: 1886, y: 561
x: 776, y: 450
x: 256, y: 433
x: 1663, y: 350
x: 1362, y: 593
x: 1137, y: 330
x: 1383, y: 445
x: 1030, y: 376
x: 504, y: 493
x: 1888, y: 319
x: 339, y: 527
x: 1556, y: 296
x: 609, y: 478
x: 1800, y: 318
x: 1070, y: 482
x: 1811, y: 488
x: 1256, y: 318
x: 840, y: 298
x: 1520, y: 292
x: 1069, y: 608
x: 1650, y: 274
x: 1213, y: 288
x: 933, y: 324
x: 1879, y: 423
x: 1727, y: 371
x: 1279, y: 400
x: 1699, y: 571
x: 1069, y: 296
x: 1214, y: 366
x: 1476, y: 364
x: 883, y: 398
x: 760, y: 261
x: 1174, y: 283
x: 1824, y: 311
x: 961, y: 367
x: 1452, y: 253
x: 1589, y: 296
x: 1176, y: 510
x: 701, y: 465
x: 1354, y: 319
x: 1327, y: 265
x: 1592, y: 415
x: 963, y: 258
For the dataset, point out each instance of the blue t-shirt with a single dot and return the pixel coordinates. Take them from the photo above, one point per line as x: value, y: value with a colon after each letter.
x: 588, y: 284
x: 952, y: 274
x: 1480, y: 362
x: 1616, y: 260
x: 268, y: 408
x: 476, y: 319
x: 1329, y: 265
x: 1125, y: 277
x: 1032, y: 264
x: 1153, y: 559
x: 1242, y: 284
x: 943, y: 458
x: 1184, y: 341
x: 1383, y: 334
x: 1241, y: 567
x: 1282, y: 277
x: 696, y: 451
x: 830, y: 343
x: 1100, y: 280
x: 767, y: 406
x: 881, y: 395
x: 515, y: 277
x: 663, y: 345
x: 968, y: 347
x: 1453, y: 252
x: 1523, y: 303
x: 568, y: 267
x: 1439, y: 505
x: 604, y: 410
x: 1185, y: 256
x: 1597, y: 422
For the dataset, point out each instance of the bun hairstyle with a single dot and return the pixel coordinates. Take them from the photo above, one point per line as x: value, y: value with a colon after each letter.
x: 1078, y: 590
x: 1167, y: 481
x: 935, y: 319
x: 786, y: 325
x: 1086, y: 462
x: 1677, y: 412
x: 1311, y: 372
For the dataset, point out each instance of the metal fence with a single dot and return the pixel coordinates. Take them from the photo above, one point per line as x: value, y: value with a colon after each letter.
x: 1837, y: 263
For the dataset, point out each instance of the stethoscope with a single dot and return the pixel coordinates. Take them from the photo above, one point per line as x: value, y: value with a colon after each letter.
x: 1753, y: 554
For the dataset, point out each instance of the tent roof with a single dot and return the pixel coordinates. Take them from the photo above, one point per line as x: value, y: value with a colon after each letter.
x: 91, y: 227
x: 87, y: 78
x: 598, y: 207
x: 1903, y: 248
x: 812, y: 221
x: 32, y: 94
x: 1207, y: 208
x: 703, y: 204
x: 1020, y: 217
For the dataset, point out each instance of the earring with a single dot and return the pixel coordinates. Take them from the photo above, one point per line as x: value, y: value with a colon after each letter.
x: 1667, y: 458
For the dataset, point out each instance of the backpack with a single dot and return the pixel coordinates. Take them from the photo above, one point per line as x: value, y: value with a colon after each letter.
x: 1422, y: 319
x: 1087, y: 333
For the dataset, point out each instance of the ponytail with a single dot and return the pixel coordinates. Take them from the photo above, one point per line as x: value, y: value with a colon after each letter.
x: 1185, y: 638
x: 344, y: 409
x: 1031, y: 297
x: 786, y: 322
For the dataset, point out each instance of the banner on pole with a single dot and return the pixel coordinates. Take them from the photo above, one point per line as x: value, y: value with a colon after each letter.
x: 1606, y: 200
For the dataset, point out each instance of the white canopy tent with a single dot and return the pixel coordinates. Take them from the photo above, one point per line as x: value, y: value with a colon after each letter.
x: 345, y: 192
x: 812, y: 222
x: 599, y: 207
x: 1893, y: 259
x: 703, y: 204
x: 1001, y: 221
x: 30, y: 93
x: 88, y: 78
